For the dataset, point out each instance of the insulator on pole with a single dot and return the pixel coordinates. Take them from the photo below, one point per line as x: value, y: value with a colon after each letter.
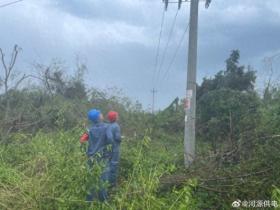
x: 207, y: 3
x: 179, y: 4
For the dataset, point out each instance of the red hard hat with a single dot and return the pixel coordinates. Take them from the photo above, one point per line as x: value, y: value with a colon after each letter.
x: 112, y: 116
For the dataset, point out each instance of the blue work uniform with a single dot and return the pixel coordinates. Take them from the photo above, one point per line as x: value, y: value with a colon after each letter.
x: 100, y: 137
x: 115, y: 156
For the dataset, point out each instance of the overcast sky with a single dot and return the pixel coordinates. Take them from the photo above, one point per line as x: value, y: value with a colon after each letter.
x: 117, y: 40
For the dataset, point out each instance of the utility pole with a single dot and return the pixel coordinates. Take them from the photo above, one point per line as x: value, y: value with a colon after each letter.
x: 269, y: 61
x: 269, y: 64
x: 190, y: 103
x: 153, y: 103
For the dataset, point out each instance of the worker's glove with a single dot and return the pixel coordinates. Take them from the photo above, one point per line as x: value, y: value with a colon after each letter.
x: 84, y: 138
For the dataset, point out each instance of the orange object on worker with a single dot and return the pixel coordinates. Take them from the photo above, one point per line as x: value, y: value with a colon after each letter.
x: 84, y: 138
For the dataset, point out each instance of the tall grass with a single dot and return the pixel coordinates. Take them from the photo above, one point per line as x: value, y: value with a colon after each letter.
x: 49, y: 171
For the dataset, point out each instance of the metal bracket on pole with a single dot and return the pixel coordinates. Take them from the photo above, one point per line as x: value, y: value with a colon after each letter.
x: 165, y: 3
x: 179, y: 4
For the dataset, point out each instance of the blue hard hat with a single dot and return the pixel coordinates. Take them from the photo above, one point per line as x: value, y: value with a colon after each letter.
x: 93, y: 115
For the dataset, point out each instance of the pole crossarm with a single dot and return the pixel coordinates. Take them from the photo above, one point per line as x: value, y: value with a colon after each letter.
x: 179, y: 2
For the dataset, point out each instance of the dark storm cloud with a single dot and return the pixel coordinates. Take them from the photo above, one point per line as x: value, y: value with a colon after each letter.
x: 131, y: 12
x: 118, y: 39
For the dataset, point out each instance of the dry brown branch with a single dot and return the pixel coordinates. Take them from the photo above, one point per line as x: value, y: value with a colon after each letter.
x: 179, y: 179
x: 237, y: 177
x: 272, y: 137
x: 212, y: 189
x: 8, y: 69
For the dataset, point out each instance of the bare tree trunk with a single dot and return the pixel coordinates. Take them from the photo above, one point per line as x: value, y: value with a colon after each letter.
x: 7, y: 78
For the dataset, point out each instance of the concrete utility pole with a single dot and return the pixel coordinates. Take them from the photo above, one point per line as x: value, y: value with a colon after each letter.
x: 153, y: 103
x: 190, y: 103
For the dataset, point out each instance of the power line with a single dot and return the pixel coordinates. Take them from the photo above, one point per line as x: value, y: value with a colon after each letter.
x: 167, y: 44
x: 175, y: 53
x: 158, y: 46
x: 10, y: 3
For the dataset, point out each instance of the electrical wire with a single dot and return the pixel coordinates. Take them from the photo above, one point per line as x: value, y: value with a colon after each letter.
x: 10, y: 3
x: 175, y: 53
x: 158, y: 46
x: 167, y: 45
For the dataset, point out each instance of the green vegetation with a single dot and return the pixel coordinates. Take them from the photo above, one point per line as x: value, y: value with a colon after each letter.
x: 49, y: 171
x: 43, y: 165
